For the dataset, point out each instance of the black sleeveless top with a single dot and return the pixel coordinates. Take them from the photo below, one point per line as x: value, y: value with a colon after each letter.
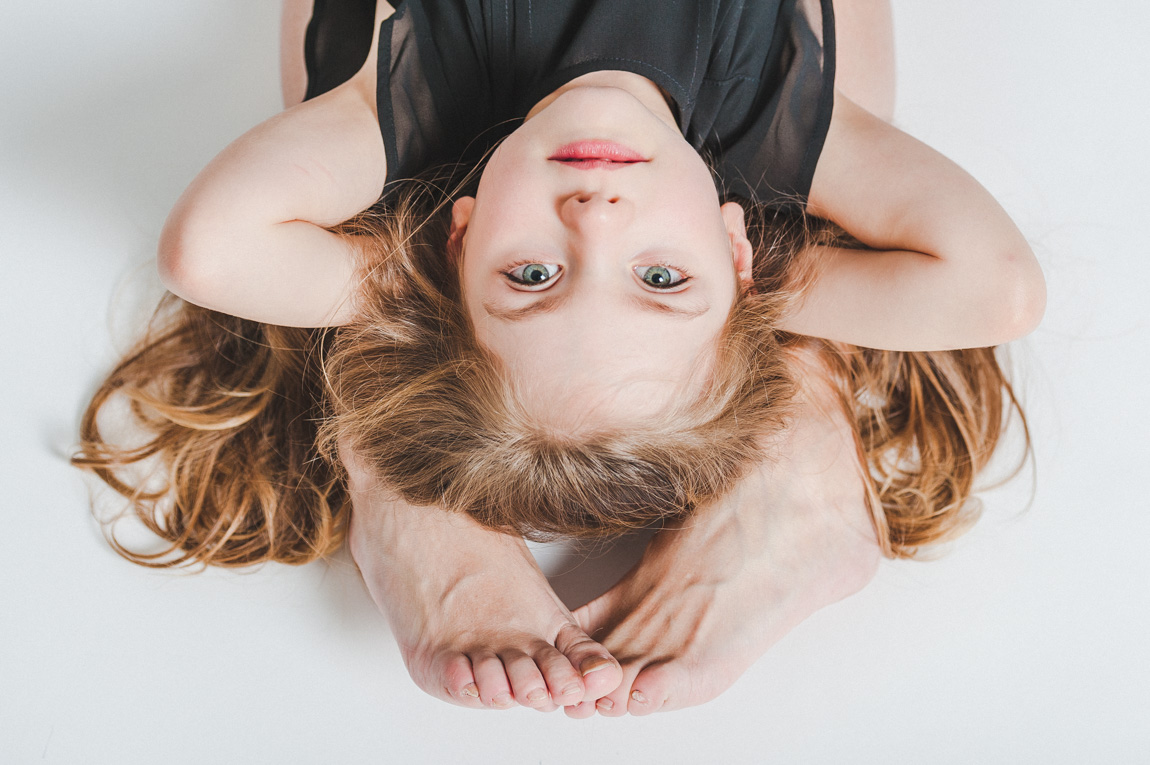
x: 751, y: 82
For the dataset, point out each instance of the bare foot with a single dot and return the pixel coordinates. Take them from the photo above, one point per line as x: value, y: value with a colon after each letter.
x: 476, y: 621
x: 712, y: 595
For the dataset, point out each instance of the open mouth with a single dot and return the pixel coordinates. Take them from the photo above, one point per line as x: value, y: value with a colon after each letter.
x: 588, y: 155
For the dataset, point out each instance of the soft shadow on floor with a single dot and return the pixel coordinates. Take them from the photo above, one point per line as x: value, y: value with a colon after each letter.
x: 581, y: 571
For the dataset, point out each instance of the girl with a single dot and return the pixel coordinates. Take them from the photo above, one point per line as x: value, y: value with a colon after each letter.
x: 591, y: 341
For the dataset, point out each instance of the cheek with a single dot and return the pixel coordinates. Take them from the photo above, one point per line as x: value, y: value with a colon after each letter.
x: 509, y: 180
x: 689, y: 202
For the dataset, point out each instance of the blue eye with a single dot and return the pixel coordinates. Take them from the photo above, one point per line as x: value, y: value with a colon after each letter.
x: 533, y: 274
x: 660, y: 277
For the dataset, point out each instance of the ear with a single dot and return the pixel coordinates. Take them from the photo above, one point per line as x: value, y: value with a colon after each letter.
x: 460, y: 217
x: 741, y: 250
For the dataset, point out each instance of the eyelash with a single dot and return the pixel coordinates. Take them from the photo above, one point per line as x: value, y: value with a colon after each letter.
x: 521, y: 283
x: 674, y: 288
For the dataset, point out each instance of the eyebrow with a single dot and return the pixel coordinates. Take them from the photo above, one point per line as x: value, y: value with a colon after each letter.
x: 552, y: 302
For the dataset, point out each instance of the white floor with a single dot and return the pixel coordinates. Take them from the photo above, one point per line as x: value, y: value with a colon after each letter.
x: 1023, y: 644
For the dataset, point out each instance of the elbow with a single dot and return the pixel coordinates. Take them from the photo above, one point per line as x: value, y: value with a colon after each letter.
x: 184, y: 263
x: 171, y: 261
x: 1020, y: 297
x: 1029, y: 304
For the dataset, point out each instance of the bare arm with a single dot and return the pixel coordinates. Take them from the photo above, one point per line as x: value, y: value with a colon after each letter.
x: 951, y: 269
x: 248, y: 237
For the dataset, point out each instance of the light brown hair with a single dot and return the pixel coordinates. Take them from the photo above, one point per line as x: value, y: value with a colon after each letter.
x: 244, y: 418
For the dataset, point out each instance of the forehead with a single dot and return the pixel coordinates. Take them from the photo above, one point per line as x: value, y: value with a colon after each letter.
x: 588, y: 385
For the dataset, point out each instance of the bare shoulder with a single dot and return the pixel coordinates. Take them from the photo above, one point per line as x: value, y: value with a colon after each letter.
x: 294, y: 20
x: 365, y: 79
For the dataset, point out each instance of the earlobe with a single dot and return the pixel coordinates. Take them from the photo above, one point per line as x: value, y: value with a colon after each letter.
x: 741, y: 250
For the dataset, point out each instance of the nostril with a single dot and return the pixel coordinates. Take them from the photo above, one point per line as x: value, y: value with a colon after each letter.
x: 586, y: 199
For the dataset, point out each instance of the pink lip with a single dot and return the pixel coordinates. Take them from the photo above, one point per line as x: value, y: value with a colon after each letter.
x: 587, y: 155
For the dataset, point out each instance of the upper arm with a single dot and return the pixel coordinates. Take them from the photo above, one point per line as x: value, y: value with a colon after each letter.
x: 893, y: 192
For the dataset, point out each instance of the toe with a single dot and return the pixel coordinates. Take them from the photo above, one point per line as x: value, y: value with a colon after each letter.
x: 457, y: 681
x: 563, y: 681
x: 614, y: 704
x: 610, y: 707
x: 580, y: 711
x: 527, y: 683
x: 657, y: 687
x: 601, y: 673
x: 490, y: 676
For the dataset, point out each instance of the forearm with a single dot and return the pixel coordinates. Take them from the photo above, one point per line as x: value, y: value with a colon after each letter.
x: 902, y: 300
x: 947, y: 266
x: 294, y: 274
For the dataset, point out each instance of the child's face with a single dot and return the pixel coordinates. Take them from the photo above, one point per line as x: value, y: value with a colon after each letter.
x: 600, y: 285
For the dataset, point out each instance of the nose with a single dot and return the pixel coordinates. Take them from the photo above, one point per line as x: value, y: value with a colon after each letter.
x: 595, y: 212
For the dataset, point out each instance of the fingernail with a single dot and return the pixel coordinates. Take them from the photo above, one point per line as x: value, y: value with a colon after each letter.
x: 502, y: 700
x: 571, y: 690
x: 605, y: 704
x: 594, y: 665
x: 470, y: 690
x: 537, y: 695
x: 638, y: 696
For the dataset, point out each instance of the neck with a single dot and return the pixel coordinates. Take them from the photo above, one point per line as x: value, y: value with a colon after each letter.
x: 645, y: 91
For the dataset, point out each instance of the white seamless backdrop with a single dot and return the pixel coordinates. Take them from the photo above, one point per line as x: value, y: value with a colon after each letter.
x: 1023, y: 643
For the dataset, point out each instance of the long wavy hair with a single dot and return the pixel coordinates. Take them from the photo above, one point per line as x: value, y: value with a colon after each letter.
x: 240, y: 421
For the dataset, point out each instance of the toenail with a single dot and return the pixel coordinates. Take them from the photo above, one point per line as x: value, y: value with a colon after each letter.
x: 605, y: 704
x: 537, y: 695
x: 638, y: 696
x: 470, y: 690
x: 594, y: 665
x: 502, y: 700
x: 571, y: 690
